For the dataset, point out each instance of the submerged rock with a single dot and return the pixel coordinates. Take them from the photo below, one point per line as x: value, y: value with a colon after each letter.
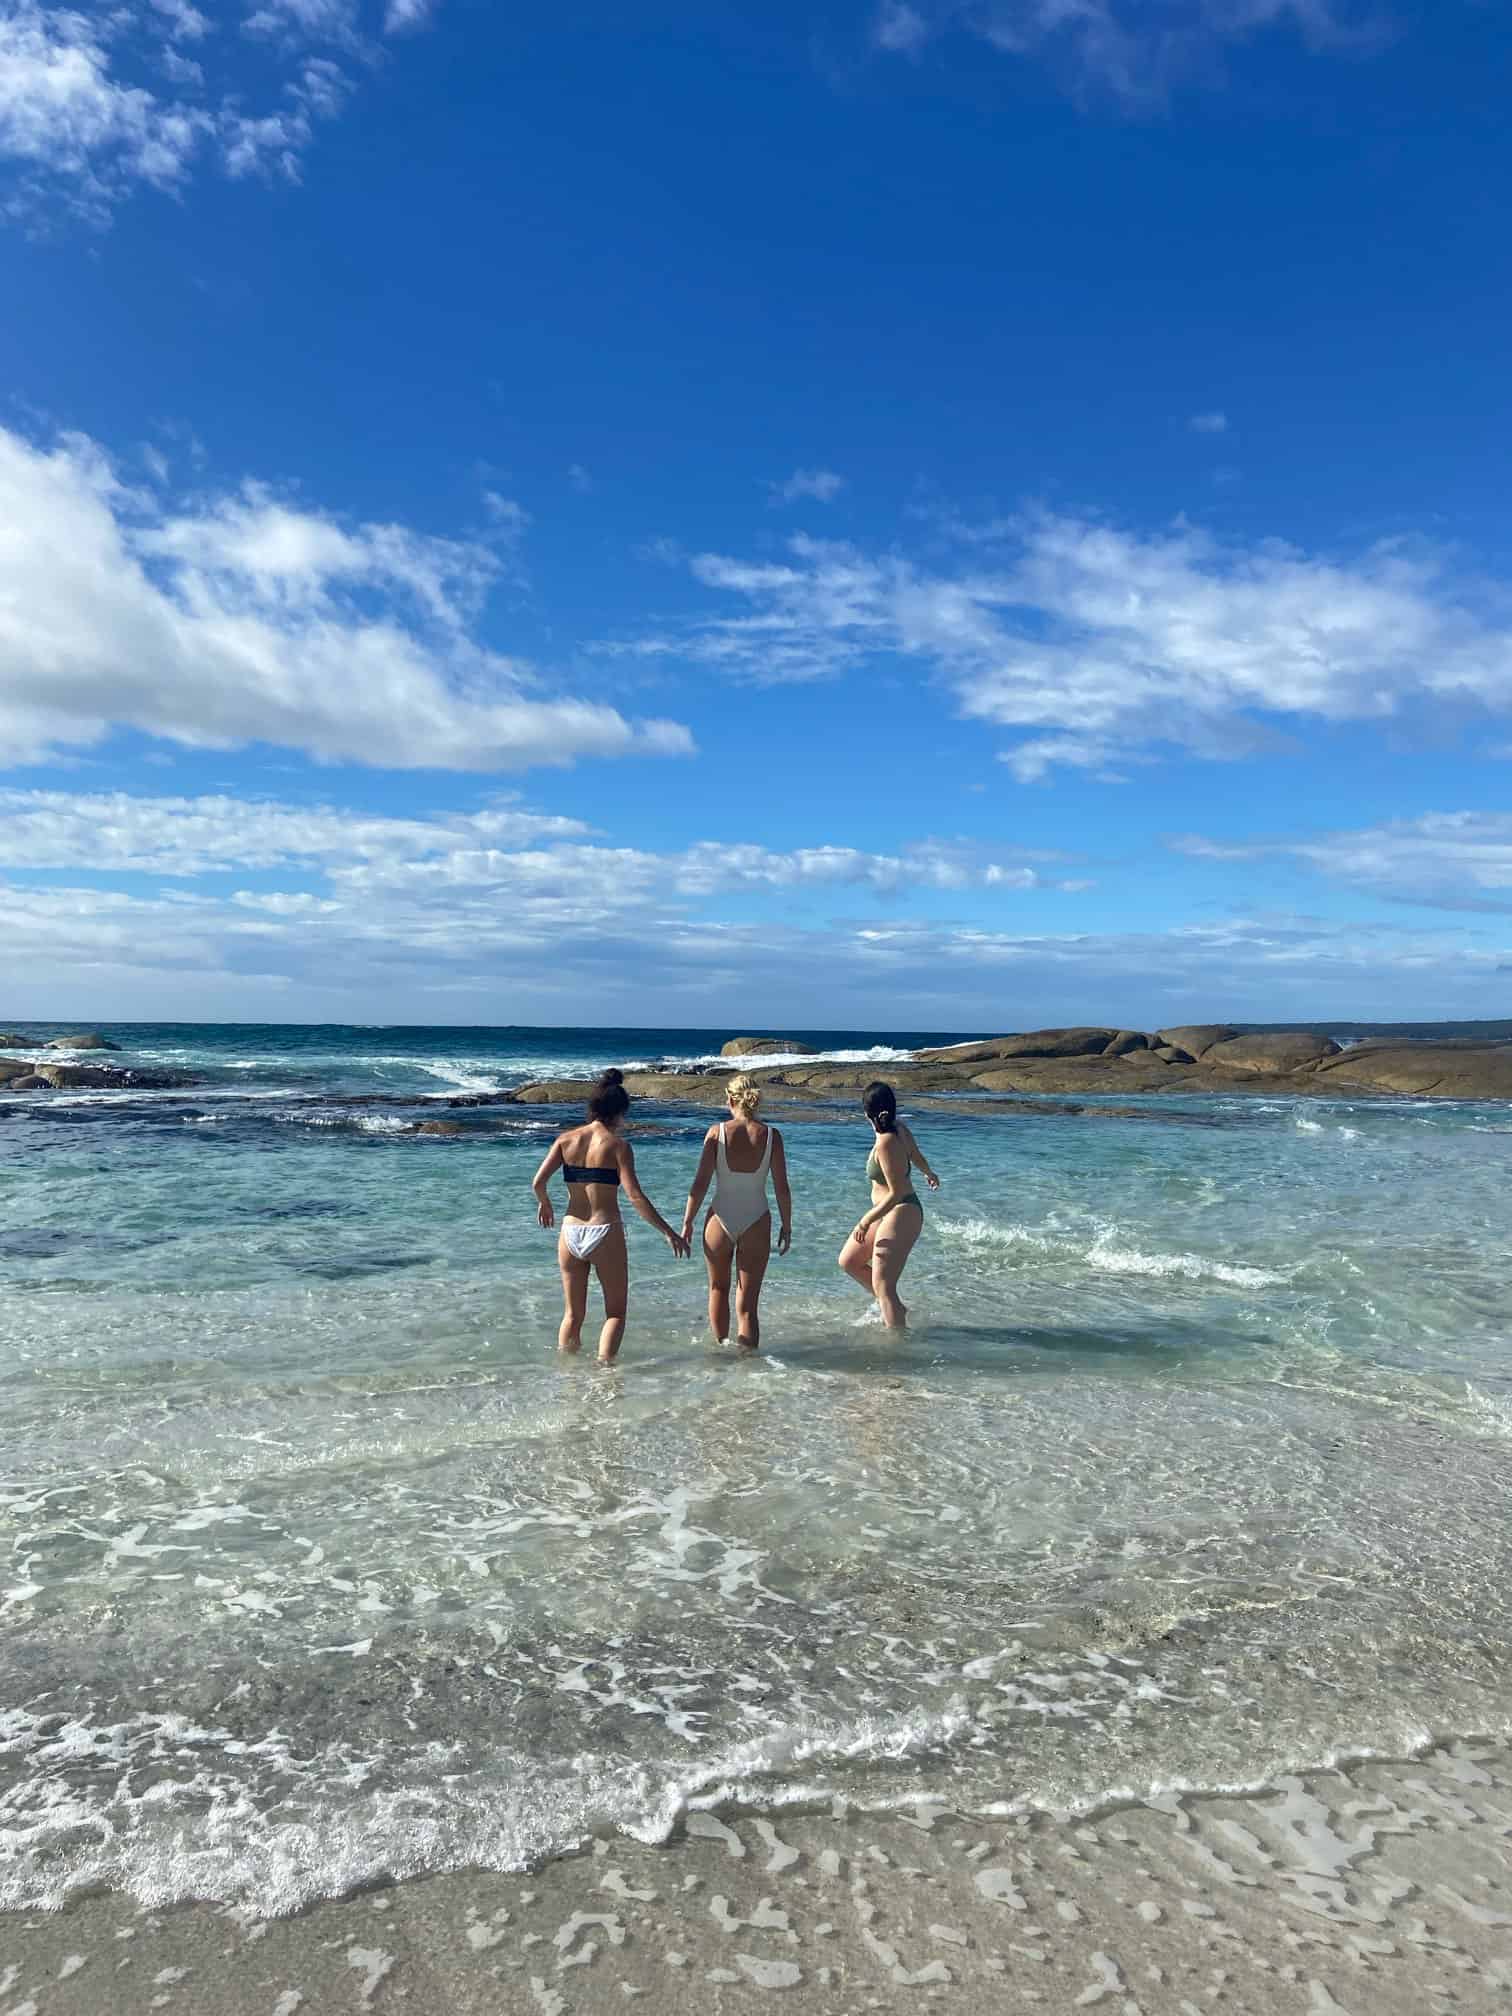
x: 29, y: 1083
x: 449, y: 1128
x: 9, y: 1040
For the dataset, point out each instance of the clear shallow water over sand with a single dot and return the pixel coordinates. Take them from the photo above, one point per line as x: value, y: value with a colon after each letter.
x: 318, y: 1565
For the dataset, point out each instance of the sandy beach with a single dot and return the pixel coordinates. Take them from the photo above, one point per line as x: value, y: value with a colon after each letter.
x: 1369, y: 1888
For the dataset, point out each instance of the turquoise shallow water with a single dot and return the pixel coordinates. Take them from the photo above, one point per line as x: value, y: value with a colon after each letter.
x: 316, y: 1564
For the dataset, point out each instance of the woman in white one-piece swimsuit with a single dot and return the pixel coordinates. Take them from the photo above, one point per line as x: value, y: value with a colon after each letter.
x: 597, y: 1163
x: 738, y: 1155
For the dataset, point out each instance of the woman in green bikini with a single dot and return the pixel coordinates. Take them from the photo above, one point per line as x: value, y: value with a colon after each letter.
x: 877, y: 1251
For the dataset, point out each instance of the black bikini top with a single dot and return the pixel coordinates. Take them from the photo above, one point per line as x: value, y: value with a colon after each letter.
x: 573, y: 1172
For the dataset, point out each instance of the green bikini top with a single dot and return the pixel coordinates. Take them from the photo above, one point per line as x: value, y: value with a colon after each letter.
x: 874, y: 1168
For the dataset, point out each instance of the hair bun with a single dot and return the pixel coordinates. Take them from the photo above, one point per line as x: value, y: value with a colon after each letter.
x: 612, y: 1077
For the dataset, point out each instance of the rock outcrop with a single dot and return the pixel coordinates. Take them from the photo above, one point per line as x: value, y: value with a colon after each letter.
x: 1439, y: 1070
x: 99, y: 1078
x: 1293, y: 1051
x: 11, y: 1068
x: 1197, y: 1039
x: 92, y: 1040
x: 766, y: 1046
x: 1037, y: 1043
x: 9, y: 1040
x: 1211, y: 1058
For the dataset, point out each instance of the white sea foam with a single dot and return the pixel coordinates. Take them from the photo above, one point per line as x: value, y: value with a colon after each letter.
x: 461, y: 1074
x: 205, y: 1829
x: 879, y: 1053
x: 1105, y: 1254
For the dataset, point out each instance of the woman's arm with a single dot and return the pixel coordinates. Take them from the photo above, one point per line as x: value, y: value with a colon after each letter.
x: 702, y: 1178
x: 624, y: 1155
x: 894, y: 1157
x: 784, y: 1193
x: 916, y: 1154
x: 544, y: 1213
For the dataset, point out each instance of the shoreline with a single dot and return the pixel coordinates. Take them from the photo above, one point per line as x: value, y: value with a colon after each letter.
x: 1373, y: 1888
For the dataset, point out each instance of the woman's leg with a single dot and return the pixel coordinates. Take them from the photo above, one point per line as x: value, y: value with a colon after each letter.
x: 612, y: 1263
x: 892, y: 1242
x: 719, y: 1255
x: 574, y: 1297
x: 751, y: 1264
x: 856, y: 1260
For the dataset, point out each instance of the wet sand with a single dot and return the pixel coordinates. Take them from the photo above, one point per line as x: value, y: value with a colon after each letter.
x: 1366, y: 1890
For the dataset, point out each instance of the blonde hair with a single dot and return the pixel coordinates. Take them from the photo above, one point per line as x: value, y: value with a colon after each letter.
x: 743, y: 1094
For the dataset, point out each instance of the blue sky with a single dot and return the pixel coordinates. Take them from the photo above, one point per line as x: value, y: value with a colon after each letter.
x: 959, y: 515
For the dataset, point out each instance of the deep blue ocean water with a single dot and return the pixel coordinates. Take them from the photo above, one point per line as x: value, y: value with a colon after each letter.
x: 316, y: 1563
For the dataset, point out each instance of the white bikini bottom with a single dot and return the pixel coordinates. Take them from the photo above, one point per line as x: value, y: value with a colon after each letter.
x: 582, y: 1238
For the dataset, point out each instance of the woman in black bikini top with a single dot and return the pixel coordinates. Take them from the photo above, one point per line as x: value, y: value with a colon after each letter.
x: 597, y: 1163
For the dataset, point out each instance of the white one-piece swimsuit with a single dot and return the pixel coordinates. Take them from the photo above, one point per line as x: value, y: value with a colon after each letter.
x: 740, y: 1195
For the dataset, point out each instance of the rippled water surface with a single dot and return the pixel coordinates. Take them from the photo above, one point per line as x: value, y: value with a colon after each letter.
x: 316, y: 1562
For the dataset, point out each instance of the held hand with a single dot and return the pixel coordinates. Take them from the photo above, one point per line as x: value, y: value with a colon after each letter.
x: 681, y: 1245
x: 545, y: 1216
x: 784, y: 1239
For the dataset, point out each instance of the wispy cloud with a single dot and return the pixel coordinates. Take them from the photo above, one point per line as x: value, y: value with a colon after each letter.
x: 1209, y: 423
x: 1448, y: 860
x: 1129, y: 49
x: 96, y: 105
x: 1097, y: 645
x: 899, y: 27
x: 454, y: 899
x: 248, y: 618
x: 822, y: 486
x: 640, y: 932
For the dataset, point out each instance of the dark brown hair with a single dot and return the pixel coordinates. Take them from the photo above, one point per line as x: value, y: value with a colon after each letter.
x: 609, y: 1100
x: 880, y: 1103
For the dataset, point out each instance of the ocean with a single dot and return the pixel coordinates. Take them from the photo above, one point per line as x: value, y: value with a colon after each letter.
x: 318, y: 1566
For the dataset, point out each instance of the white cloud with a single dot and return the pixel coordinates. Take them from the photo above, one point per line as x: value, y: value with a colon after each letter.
x: 440, y: 900
x: 1130, y: 49
x: 1209, y: 423
x: 503, y: 848
x: 118, y: 832
x: 63, y: 113
x: 1098, y: 645
x: 899, y: 27
x: 1450, y: 860
x: 823, y: 486
x: 93, y: 105
x: 402, y: 15
x: 245, y: 619
x: 645, y: 952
